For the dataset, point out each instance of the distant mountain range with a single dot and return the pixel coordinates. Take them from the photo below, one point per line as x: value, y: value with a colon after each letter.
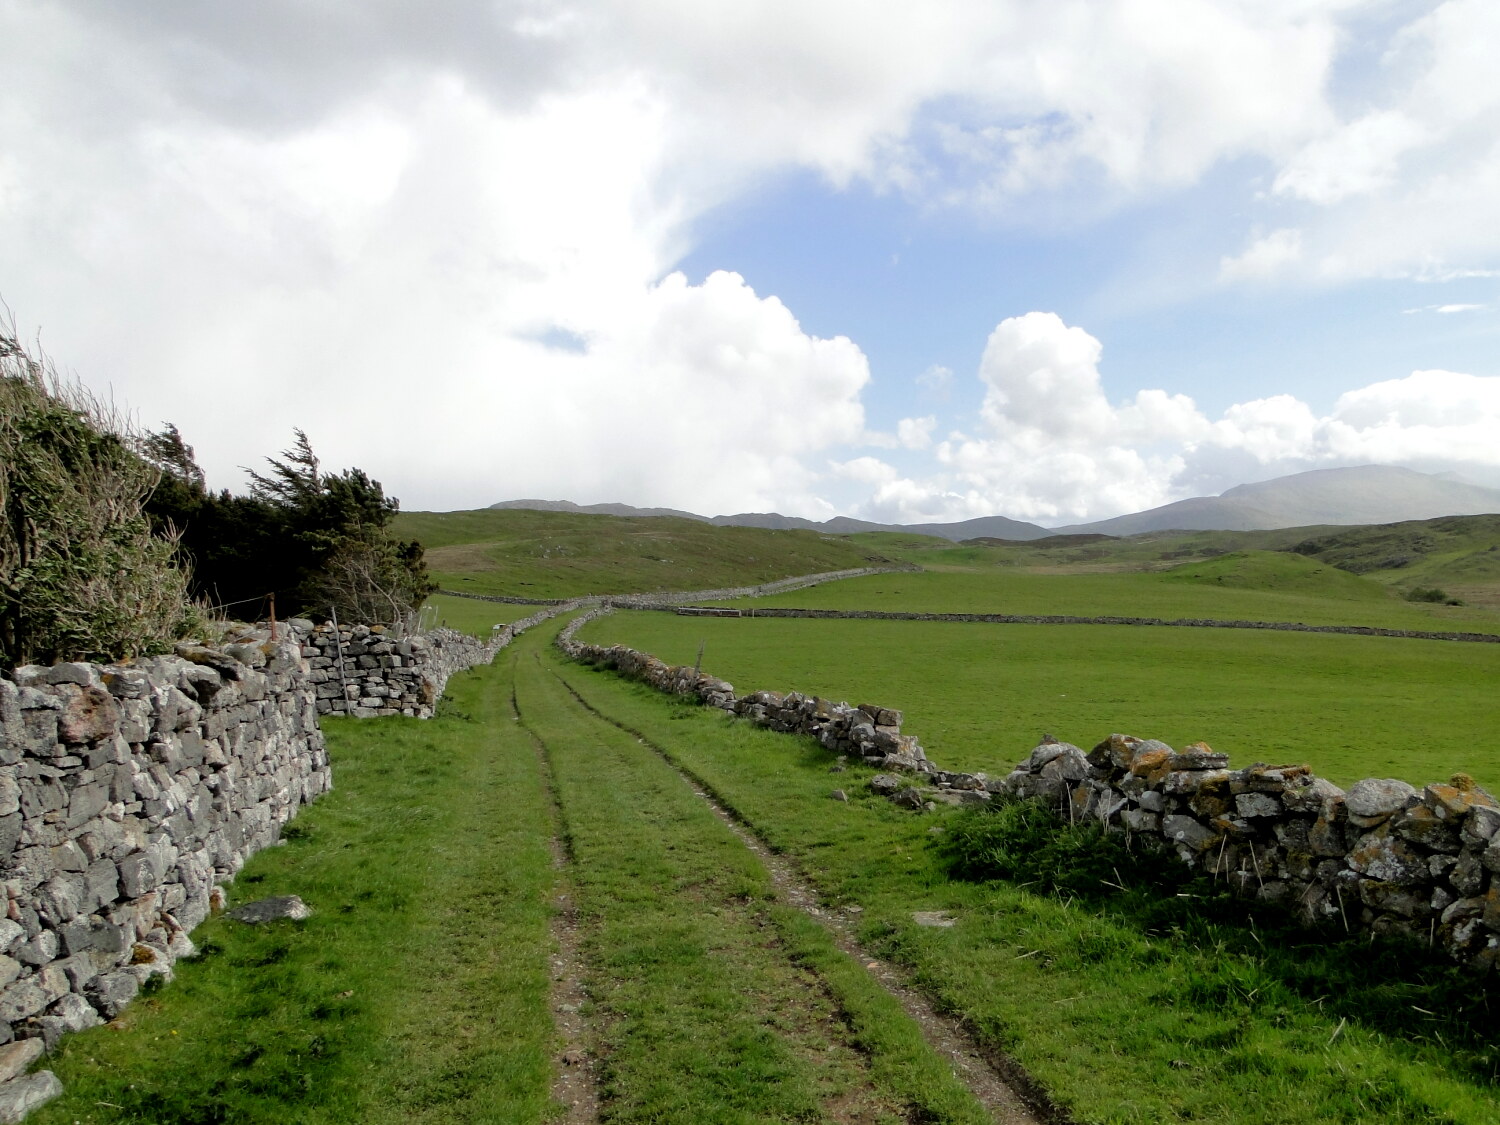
x: 1366, y: 494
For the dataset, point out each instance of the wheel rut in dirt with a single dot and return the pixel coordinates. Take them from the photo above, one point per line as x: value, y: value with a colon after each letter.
x: 575, y: 1085
x: 1006, y: 1091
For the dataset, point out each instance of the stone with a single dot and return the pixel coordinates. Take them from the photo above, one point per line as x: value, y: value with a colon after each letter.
x: 22, y: 1095
x: 934, y: 919
x: 1189, y: 832
x: 1388, y: 859
x: 839, y: 795
x: 1481, y: 825
x: 71, y: 1013
x: 1257, y: 804
x: 110, y: 992
x: 16, y: 1057
x: 1375, y: 799
x: 21, y: 999
x: 88, y: 715
x: 1453, y: 802
x: 885, y: 784
x: 270, y: 909
x: 1198, y: 756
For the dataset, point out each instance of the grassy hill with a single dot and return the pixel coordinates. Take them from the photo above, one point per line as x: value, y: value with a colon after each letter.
x: 562, y: 554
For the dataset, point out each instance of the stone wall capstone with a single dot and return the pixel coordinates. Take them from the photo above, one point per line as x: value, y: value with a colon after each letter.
x: 1382, y: 856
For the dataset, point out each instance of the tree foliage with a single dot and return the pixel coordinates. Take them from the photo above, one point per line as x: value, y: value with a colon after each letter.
x: 317, y: 541
x: 82, y: 576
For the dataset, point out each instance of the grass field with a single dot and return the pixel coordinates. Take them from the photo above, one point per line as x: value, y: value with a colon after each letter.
x: 1122, y: 1021
x: 470, y: 615
x: 1257, y: 586
x: 559, y: 554
x: 980, y: 696
x: 419, y: 989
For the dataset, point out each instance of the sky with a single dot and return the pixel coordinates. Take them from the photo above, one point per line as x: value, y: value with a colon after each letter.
x: 1049, y: 259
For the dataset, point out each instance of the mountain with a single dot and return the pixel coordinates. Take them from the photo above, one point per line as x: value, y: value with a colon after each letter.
x: 596, y: 509
x: 1365, y: 494
x: 996, y: 526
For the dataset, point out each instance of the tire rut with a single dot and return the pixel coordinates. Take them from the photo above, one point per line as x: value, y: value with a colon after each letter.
x: 999, y: 1083
x: 575, y: 1084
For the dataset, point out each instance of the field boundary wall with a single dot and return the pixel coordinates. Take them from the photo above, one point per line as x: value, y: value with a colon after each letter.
x: 1061, y: 619
x: 1381, y: 856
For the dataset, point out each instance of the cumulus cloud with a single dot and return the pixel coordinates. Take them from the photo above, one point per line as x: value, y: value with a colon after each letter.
x: 1056, y: 450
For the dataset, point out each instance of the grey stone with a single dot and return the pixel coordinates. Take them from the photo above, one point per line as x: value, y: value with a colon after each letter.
x: 22, y: 1095
x: 1258, y: 804
x: 1189, y: 832
x: 885, y: 784
x: 270, y: 909
x: 1373, y: 800
x: 112, y: 991
x: 16, y: 1057
x: 934, y: 919
x: 39, y: 950
x: 20, y: 999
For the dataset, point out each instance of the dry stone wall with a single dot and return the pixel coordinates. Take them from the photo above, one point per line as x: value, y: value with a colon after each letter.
x: 127, y: 793
x: 1381, y: 856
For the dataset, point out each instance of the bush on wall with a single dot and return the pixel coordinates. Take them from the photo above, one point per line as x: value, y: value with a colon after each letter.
x: 82, y: 575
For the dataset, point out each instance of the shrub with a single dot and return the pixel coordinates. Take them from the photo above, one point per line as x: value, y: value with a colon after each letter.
x: 1431, y: 594
x: 82, y: 576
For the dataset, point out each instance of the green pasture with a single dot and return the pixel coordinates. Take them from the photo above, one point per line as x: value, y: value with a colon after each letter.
x: 470, y: 615
x: 1123, y: 1017
x: 1253, y: 586
x: 519, y: 553
x: 980, y: 696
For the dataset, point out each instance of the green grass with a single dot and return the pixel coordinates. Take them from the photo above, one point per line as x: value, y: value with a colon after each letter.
x: 1256, y: 587
x: 1120, y: 1020
x: 470, y: 615
x: 418, y: 989
x: 561, y: 554
x: 715, y: 1004
x: 980, y: 696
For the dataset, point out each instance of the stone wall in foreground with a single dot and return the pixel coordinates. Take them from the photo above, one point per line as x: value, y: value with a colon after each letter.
x: 1381, y: 856
x: 127, y: 792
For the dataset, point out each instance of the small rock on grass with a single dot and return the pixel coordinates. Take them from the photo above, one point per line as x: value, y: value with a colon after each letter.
x: 270, y: 909
x: 839, y: 795
x: 936, y: 919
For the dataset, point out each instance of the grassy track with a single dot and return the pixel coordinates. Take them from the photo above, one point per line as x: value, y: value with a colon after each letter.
x: 980, y: 696
x: 1120, y: 1022
x: 1294, y: 589
x: 417, y: 991
x: 715, y: 1005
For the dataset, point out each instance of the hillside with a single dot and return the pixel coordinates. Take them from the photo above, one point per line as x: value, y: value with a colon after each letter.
x: 524, y: 553
x: 1364, y: 494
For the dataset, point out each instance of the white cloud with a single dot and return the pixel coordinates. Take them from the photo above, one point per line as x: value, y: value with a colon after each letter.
x: 1265, y: 257
x: 916, y: 433
x: 937, y: 381
x: 1056, y: 450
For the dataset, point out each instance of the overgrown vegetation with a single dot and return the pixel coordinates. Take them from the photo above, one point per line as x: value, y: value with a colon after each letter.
x: 82, y: 575
x: 316, y: 541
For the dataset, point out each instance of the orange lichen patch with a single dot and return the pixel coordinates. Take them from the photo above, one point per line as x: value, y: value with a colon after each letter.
x: 1452, y: 801
x: 1151, y: 764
